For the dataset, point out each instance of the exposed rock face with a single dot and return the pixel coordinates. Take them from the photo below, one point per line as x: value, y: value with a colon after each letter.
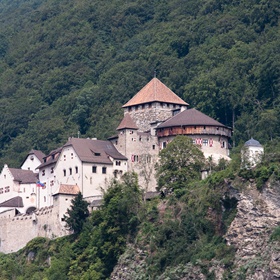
x: 258, y: 214
x: 256, y: 257
x: 132, y: 266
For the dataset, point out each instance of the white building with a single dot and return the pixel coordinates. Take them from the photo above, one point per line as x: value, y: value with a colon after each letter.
x: 252, y: 153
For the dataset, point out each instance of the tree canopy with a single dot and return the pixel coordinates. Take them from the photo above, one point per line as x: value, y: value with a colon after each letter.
x: 68, y: 66
x: 77, y: 213
x: 179, y: 163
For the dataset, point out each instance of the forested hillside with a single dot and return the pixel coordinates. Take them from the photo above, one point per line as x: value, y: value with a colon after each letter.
x: 68, y: 66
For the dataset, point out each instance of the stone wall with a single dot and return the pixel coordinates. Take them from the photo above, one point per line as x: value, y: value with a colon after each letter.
x: 144, y: 116
x: 17, y: 231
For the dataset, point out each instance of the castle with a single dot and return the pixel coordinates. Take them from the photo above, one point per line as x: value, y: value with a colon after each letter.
x: 35, y: 197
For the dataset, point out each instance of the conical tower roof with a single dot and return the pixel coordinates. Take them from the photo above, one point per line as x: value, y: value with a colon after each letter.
x: 127, y: 122
x: 155, y: 90
x: 190, y: 117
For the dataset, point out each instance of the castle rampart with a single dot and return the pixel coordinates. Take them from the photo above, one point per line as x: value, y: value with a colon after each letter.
x: 17, y: 231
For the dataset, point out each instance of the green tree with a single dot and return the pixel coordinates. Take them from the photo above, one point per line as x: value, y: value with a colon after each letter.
x: 179, y: 163
x: 77, y: 214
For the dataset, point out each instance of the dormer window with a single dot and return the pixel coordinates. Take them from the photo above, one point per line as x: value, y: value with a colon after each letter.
x: 97, y: 154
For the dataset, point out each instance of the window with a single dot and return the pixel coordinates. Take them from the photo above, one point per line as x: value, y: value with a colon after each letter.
x: 52, y: 170
x: 70, y: 171
x: 7, y: 189
x: 1, y: 190
x: 94, y: 169
x: 43, y: 172
x: 45, y: 199
x: 118, y: 163
x: 154, y: 146
x: 97, y: 154
x: 77, y: 169
x: 163, y: 145
x: 104, y: 170
x: 205, y: 142
x: 64, y: 172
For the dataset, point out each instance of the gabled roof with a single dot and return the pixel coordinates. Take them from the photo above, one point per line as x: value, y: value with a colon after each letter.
x: 94, y: 151
x: 155, y: 90
x: 127, y: 122
x: 13, y: 202
x: 188, y: 118
x: 51, y: 158
x: 68, y: 189
x: 39, y: 154
x: 23, y: 176
x: 252, y: 143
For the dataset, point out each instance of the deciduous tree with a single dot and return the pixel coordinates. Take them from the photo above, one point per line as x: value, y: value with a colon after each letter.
x: 179, y: 163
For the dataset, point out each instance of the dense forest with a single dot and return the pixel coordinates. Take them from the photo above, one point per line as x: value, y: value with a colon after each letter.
x: 67, y: 67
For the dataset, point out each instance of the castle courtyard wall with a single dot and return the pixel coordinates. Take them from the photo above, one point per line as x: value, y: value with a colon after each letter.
x: 17, y: 231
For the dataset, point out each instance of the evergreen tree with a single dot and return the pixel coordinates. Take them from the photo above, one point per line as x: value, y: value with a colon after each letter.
x: 77, y: 214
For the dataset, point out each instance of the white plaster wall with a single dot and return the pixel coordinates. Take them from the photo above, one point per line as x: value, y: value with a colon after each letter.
x: 48, y: 177
x: 93, y: 183
x: 31, y: 163
x: 217, y: 150
x: 6, y: 180
x: 255, y: 155
x: 28, y: 192
x: 68, y: 159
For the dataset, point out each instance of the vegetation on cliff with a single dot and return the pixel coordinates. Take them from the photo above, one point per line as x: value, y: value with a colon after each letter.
x: 175, y: 236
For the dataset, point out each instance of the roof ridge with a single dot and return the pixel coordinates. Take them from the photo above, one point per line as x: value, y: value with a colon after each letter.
x: 153, y: 91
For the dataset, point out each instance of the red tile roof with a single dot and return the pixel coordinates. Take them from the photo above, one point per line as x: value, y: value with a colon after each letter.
x: 188, y: 118
x: 155, y: 90
x: 127, y: 122
x: 68, y: 189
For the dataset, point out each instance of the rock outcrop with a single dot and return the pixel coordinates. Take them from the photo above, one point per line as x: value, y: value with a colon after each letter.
x: 257, y: 257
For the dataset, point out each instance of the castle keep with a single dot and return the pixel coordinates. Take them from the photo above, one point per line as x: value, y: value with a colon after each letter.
x: 35, y: 197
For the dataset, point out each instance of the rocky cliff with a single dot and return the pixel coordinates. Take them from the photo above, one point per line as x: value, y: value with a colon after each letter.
x: 257, y: 256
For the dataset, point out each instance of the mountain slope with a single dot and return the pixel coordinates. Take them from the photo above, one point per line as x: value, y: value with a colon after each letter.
x: 68, y: 66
